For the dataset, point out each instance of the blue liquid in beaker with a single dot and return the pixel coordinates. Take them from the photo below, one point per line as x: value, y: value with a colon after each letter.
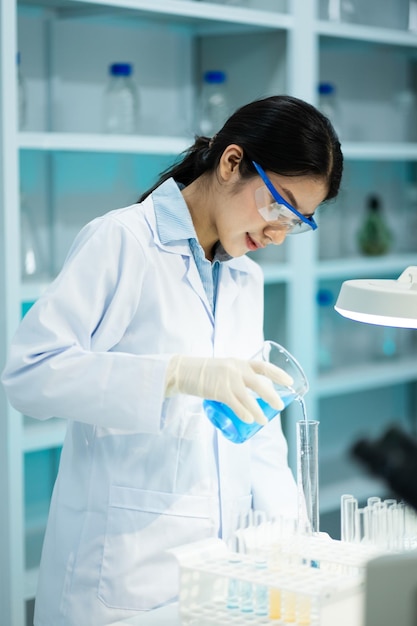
x: 232, y: 427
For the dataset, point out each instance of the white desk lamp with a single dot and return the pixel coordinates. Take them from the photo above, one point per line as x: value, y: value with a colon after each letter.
x: 381, y: 302
x: 391, y: 581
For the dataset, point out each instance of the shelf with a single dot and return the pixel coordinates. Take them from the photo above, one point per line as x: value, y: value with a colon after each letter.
x: 42, y: 435
x: 366, y: 267
x: 151, y: 144
x: 367, y: 376
x: 198, y: 16
x: 368, y: 34
x: 380, y: 151
x: 276, y: 273
x: 84, y: 142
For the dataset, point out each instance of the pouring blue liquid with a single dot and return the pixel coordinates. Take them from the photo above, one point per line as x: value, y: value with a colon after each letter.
x: 232, y: 427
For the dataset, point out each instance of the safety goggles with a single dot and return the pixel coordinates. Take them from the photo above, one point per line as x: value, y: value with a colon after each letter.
x: 274, y: 208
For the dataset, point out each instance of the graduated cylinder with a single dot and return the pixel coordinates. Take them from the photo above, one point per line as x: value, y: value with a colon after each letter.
x: 308, y: 475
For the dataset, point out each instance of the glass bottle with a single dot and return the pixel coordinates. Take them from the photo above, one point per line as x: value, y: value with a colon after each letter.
x: 339, y: 10
x: 374, y: 236
x: 329, y: 105
x: 325, y: 302
x: 121, y: 100
x: 31, y: 254
x: 386, y: 342
x: 213, y: 108
x: 21, y: 95
x: 407, y: 223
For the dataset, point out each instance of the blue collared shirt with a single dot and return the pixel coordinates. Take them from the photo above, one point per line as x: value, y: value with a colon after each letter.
x: 174, y: 223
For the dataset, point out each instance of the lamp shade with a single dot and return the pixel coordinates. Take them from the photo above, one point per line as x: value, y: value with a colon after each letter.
x: 379, y: 301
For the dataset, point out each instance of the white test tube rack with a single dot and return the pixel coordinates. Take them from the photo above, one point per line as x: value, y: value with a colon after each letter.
x: 301, y: 580
x: 279, y: 575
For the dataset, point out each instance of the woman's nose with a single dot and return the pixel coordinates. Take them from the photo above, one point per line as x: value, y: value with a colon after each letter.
x: 276, y: 235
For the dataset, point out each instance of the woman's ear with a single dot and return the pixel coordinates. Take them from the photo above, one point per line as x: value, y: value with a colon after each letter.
x: 229, y: 161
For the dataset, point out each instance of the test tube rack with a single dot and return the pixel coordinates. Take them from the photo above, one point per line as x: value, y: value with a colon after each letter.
x: 301, y: 580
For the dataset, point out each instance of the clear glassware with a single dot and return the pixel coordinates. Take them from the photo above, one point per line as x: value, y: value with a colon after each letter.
x: 228, y: 422
x: 213, y: 106
x: 308, y: 475
x: 340, y: 10
x: 326, y: 326
x: 21, y: 95
x: 348, y: 509
x: 121, y: 101
x: 374, y: 236
x: 329, y: 104
x: 33, y: 265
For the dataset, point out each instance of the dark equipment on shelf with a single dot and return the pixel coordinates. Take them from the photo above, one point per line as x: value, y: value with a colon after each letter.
x: 392, y: 457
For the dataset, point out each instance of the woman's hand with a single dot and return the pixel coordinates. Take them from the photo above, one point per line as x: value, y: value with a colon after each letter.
x: 228, y: 380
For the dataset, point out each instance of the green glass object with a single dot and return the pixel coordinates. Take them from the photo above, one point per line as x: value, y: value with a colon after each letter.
x: 374, y: 236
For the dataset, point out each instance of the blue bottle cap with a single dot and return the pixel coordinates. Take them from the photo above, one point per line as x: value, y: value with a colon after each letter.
x: 326, y: 89
x: 216, y: 77
x: 324, y: 297
x: 121, y: 69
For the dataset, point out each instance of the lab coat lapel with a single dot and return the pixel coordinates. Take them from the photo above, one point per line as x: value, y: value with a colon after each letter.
x: 229, y: 286
x: 226, y: 296
x: 191, y: 273
x: 182, y: 248
x: 193, y: 277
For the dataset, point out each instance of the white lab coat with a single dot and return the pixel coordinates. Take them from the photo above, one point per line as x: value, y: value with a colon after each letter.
x: 139, y: 474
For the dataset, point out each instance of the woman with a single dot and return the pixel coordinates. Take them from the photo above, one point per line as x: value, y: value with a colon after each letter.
x: 156, y: 308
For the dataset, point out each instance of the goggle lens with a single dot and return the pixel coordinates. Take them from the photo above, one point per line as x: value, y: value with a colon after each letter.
x: 278, y: 215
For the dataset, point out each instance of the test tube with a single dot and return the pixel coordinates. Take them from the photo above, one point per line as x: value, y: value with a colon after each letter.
x: 232, y: 601
x: 278, y: 530
x: 233, y: 591
x: 380, y: 512
x: 400, y: 524
x: 308, y: 475
x: 391, y: 523
x: 245, y: 535
x: 261, y: 545
x: 289, y: 599
x: 303, y: 610
x: 361, y: 534
x: 275, y: 604
x: 349, y: 506
x: 261, y: 597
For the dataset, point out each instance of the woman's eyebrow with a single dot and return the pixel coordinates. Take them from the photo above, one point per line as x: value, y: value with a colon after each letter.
x: 290, y: 196
x: 293, y: 201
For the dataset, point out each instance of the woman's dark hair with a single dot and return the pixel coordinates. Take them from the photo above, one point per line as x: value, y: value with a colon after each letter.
x: 283, y: 134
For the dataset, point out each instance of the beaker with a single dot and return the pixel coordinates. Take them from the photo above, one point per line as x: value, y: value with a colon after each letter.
x: 308, y: 475
x: 229, y: 423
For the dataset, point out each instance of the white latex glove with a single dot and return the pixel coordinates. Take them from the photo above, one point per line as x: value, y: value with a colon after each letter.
x: 227, y: 380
